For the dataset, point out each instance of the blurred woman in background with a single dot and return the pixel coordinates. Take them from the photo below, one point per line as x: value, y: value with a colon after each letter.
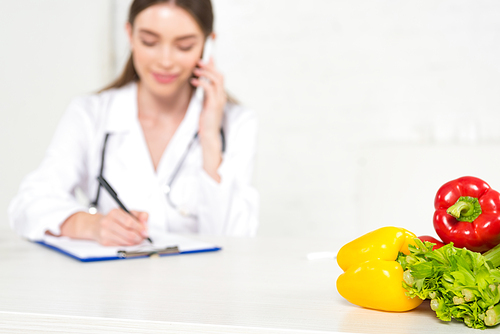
x: 182, y: 161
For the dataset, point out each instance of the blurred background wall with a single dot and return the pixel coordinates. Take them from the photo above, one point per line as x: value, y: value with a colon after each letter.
x: 366, y: 107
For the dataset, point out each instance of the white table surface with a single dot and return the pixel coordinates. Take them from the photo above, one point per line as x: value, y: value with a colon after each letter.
x: 254, y: 285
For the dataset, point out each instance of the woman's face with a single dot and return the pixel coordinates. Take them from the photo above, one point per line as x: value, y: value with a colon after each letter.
x: 166, y: 44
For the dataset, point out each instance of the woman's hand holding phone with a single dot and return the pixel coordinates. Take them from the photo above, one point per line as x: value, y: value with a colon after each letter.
x: 212, y: 81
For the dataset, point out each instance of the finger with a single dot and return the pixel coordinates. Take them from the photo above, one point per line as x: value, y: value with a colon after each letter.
x: 143, y: 219
x: 215, y: 78
x: 128, y: 236
x: 209, y: 88
x: 141, y: 216
x: 109, y: 234
x: 210, y: 67
x: 115, y: 239
x: 127, y: 220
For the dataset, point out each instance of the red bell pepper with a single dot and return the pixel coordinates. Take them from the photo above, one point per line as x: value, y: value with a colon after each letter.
x: 468, y: 214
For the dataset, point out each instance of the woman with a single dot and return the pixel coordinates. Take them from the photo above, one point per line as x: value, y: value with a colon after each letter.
x: 182, y: 162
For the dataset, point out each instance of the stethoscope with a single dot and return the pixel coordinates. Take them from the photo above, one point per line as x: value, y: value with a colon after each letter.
x: 167, y: 188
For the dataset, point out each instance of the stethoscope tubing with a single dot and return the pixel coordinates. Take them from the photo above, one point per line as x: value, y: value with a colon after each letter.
x: 168, y: 187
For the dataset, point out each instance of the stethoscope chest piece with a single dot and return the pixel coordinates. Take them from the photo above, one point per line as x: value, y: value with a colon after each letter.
x: 166, y: 189
x: 92, y: 210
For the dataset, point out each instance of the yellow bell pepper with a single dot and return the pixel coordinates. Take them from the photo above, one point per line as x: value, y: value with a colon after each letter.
x: 372, y: 278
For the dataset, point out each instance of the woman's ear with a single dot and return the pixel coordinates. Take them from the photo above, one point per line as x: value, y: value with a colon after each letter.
x: 212, y: 35
x: 128, y: 28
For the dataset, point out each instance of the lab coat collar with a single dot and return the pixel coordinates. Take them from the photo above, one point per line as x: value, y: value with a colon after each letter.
x: 123, y: 112
x: 123, y: 117
x: 123, y: 109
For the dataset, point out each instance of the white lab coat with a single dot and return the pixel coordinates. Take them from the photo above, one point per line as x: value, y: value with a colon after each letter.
x: 47, y: 196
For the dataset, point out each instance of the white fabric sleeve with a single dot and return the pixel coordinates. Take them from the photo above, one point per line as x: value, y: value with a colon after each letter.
x: 46, y: 197
x: 231, y: 207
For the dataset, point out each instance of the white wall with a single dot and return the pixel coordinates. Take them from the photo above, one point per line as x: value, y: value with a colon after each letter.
x: 50, y: 51
x: 365, y: 107
x: 360, y: 103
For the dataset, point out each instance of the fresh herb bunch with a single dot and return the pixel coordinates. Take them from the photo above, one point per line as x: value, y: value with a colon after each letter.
x: 461, y: 284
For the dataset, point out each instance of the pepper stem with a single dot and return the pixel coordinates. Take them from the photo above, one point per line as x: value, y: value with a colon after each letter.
x: 466, y: 209
x: 460, y: 209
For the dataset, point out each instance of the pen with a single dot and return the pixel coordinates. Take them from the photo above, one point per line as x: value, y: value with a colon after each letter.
x: 113, y: 194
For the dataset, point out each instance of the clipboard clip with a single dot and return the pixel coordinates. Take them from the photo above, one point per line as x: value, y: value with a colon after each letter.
x: 150, y: 253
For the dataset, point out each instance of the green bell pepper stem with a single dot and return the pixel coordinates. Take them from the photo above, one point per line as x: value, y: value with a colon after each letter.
x: 466, y: 209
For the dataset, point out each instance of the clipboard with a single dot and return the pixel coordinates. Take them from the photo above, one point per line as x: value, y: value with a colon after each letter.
x: 90, y: 251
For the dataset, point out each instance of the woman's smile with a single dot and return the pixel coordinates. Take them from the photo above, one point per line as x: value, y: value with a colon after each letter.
x: 164, y: 78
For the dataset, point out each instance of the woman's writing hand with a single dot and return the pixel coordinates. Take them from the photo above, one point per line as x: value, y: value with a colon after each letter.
x: 117, y: 228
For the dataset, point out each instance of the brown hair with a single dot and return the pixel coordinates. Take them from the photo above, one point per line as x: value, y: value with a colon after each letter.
x: 200, y: 10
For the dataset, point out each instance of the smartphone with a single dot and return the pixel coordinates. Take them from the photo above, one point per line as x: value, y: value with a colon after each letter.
x: 207, y: 53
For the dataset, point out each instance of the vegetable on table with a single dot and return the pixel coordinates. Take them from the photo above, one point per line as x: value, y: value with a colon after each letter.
x: 461, y: 284
x: 468, y: 214
x: 436, y: 242
x: 372, y: 277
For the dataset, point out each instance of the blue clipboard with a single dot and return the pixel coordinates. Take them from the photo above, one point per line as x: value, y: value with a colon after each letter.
x: 178, y: 245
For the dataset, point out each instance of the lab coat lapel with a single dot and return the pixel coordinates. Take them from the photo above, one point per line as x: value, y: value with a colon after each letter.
x: 180, y: 141
x: 127, y: 143
x: 123, y: 110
